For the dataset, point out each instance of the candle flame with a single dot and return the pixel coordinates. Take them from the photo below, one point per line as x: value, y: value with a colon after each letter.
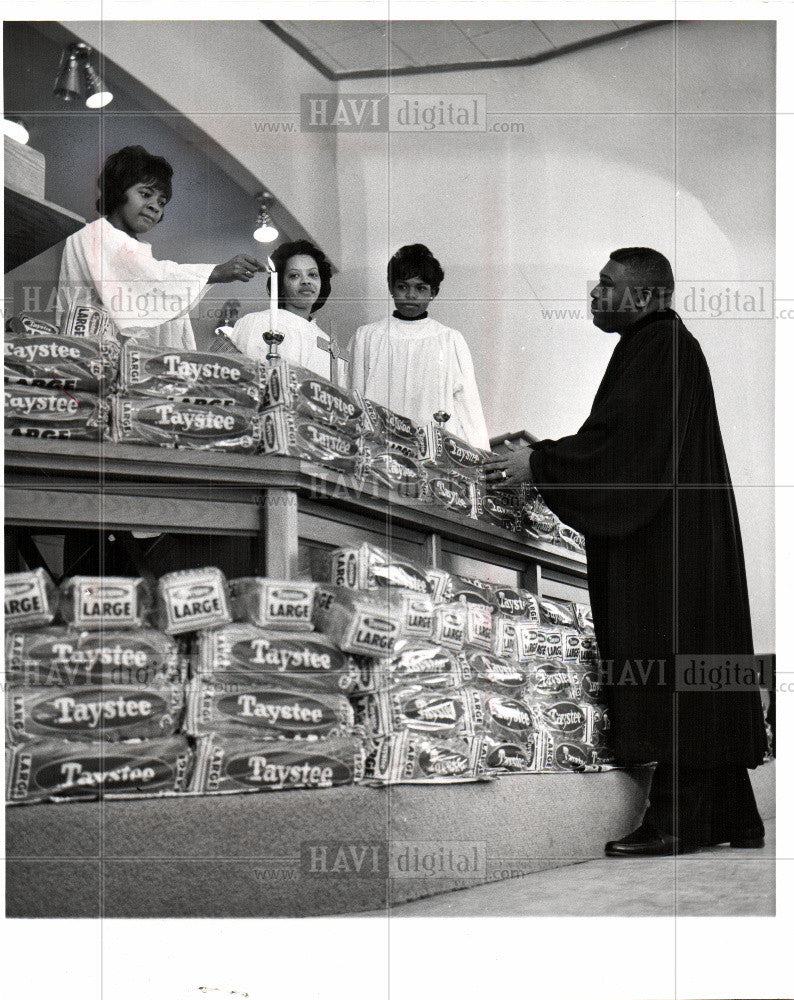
x: 271, y: 266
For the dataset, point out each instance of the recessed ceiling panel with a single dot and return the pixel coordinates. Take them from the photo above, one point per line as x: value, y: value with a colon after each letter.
x: 515, y: 41
x: 377, y: 48
x: 430, y: 43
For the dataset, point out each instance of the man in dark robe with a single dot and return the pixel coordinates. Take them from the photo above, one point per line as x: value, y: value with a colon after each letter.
x: 646, y: 481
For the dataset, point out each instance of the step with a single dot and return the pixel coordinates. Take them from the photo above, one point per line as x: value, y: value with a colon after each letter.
x: 250, y: 855
x: 296, y: 853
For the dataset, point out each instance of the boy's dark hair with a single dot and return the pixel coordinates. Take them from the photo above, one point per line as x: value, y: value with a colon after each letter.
x: 282, y: 254
x: 415, y: 261
x: 651, y: 268
x: 131, y: 165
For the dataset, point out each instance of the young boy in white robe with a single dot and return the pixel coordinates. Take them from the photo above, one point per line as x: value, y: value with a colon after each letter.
x: 304, y: 283
x: 411, y: 363
x: 107, y: 264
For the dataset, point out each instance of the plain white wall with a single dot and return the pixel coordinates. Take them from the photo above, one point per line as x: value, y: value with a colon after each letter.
x: 662, y: 139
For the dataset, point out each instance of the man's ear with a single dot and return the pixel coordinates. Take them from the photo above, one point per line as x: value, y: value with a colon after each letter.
x: 643, y: 297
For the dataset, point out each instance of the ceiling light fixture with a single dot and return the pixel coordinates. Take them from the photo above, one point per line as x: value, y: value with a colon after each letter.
x: 265, y: 231
x: 15, y: 128
x: 77, y: 76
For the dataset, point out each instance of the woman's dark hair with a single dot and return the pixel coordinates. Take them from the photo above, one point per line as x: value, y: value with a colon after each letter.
x: 415, y: 261
x: 131, y: 165
x: 282, y: 254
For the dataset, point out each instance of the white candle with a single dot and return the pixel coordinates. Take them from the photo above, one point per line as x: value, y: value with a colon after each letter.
x: 273, y: 293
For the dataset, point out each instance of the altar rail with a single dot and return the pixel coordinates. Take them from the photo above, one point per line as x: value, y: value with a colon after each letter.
x: 286, y: 504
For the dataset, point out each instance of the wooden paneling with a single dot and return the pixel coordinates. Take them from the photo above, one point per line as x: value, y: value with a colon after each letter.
x: 33, y: 225
x: 281, y: 501
x: 24, y: 168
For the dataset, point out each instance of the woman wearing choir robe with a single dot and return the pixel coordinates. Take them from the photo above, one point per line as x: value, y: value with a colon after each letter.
x: 107, y: 264
x: 304, y: 284
x: 410, y: 363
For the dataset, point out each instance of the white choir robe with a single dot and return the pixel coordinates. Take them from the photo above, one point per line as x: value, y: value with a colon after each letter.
x: 299, y: 345
x: 415, y: 368
x: 147, y: 299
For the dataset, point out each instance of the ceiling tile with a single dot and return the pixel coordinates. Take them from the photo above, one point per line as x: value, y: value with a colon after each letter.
x: 327, y: 33
x: 518, y: 41
x: 365, y: 45
x: 370, y: 51
x: 562, y: 33
x: 472, y: 29
x: 417, y: 37
x: 434, y: 42
x: 462, y: 51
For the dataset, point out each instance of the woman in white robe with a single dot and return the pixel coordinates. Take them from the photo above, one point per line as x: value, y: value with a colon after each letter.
x: 418, y: 368
x: 412, y: 364
x: 107, y: 264
x: 304, y: 284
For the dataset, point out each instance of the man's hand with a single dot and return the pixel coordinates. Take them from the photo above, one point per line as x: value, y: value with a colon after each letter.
x: 510, y: 470
x: 240, y: 268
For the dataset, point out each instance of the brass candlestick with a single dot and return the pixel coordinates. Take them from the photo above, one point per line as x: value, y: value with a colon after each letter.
x: 273, y: 338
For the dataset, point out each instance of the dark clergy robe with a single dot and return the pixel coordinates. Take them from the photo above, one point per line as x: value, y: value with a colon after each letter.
x: 646, y: 481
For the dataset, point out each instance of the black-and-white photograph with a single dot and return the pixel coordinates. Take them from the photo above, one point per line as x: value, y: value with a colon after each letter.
x: 390, y: 475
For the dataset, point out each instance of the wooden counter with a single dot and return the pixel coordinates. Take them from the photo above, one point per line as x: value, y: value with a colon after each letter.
x: 286, y: 504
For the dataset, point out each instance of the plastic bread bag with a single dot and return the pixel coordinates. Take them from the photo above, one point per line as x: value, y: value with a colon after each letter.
x: 367, y: 567
x: 192, y: 599
x: 179, y: 423
x: 65, y: 657
x: 105, y: 602
x: 283, y: 605
x: 170, y: 373
x: 305, y: 394
x: 232, y: 704
x: 71, y: 363
x: 250, y: 764
x: 101, y: 712
x: 55, y: 413
x: 31, y: 599
x: 415, y: 758
x: 292, y: 659
x: 54, y: 770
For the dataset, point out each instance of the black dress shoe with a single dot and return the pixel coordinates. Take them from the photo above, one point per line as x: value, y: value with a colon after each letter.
x: 744, y: 840
x: 648, y: 842
x: 747, y: 841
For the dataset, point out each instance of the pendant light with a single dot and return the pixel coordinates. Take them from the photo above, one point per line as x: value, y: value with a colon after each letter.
x: 265, y: 231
